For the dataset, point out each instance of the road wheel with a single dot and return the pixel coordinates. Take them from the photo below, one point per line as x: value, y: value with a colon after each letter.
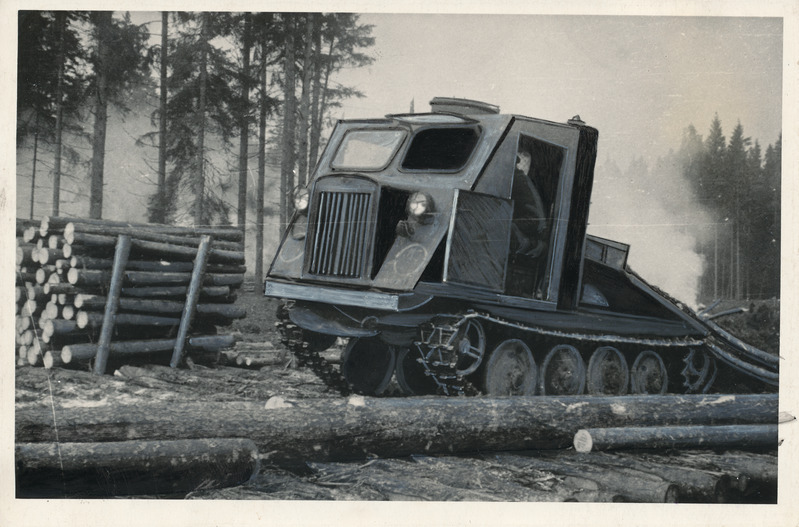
x: 648, y: 374
x: 608, y: 373
x: 563, y: 372
x: 511, y: 370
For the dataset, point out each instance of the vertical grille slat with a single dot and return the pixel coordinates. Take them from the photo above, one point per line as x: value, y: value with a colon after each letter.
x: 340, y: 235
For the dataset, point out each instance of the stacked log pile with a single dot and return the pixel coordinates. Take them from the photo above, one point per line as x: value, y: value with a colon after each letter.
x: 89, y: 288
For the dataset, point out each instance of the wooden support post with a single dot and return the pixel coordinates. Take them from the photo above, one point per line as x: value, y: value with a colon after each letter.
x: 120, y: 260
x: 192, y: 297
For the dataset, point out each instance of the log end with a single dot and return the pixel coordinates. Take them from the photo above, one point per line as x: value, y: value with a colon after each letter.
x: 582, y: 441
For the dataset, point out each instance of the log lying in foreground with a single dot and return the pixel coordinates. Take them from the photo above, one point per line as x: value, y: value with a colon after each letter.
x: 125, y: 468
x: 294, y: 432
x: 739, y: 436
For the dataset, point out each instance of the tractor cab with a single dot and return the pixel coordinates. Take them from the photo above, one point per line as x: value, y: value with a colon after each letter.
x: 462, y: 202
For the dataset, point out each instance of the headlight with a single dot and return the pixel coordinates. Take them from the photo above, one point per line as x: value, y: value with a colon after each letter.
x: 419, y: 204
x: 301, y: 198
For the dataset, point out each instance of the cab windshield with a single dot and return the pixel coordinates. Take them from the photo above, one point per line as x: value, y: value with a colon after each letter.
x: 367, y: 149
x: 441, y: 149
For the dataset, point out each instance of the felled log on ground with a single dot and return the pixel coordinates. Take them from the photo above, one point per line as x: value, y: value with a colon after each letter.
x: 302, y: 430
x: 503, y: 481
x: 125, y: 468
x: 740, y: 436
x: 745, y: 476
x: 623, y: 483
x: 396, y: 480
x: 693, y: 485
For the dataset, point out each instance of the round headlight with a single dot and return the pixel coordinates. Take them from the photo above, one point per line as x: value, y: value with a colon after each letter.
x: 301, y: 199
x: 419, y: 204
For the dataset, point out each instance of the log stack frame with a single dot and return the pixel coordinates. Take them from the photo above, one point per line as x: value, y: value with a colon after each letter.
x: 71, y: 291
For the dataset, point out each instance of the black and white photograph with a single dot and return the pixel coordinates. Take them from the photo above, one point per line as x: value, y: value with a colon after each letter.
x: 303, y: 263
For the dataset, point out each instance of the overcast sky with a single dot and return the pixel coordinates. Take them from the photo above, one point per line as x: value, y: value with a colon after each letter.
x: 639, y: 80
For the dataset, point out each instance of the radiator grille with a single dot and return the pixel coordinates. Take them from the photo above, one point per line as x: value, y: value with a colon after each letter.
x: 339, y: 243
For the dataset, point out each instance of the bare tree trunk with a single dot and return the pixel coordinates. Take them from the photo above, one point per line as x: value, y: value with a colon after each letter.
x: 35, y: 154
x: 259, y: 199
x: 59, y: 113
x: 100, y: 115
x: 160, y: 213
x: 289, y: 118
x: 305, y: 102
x: 323, y: 102
x: 200, y: 187
x: 316, y: 122
x: 245, y: 121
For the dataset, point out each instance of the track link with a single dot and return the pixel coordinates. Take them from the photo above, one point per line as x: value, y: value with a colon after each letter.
x: 294, y: 338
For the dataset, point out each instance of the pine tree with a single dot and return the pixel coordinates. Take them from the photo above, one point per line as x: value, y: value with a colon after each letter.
x: 119, y: 62
x: 50, y: 88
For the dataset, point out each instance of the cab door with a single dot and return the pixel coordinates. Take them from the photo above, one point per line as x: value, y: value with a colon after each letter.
x: 477, y: 248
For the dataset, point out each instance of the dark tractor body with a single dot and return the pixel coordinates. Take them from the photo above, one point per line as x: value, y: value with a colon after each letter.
x: 450, y: 248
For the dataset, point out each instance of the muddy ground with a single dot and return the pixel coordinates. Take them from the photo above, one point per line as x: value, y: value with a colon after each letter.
x: 486, y: 476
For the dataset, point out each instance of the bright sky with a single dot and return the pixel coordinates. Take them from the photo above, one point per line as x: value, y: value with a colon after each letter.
x: 639, y: 80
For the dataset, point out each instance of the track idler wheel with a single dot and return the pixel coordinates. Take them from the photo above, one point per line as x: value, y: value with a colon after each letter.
x: 699, y: 372
x: 411, y: 374
x: 511, y: 370
x: 367, y: 365
x: 648, y: 374
x: 563, y: 372
x: 608, y: 373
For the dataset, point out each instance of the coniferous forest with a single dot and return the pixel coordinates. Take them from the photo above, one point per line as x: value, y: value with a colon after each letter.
x: 738, y: 183
x: 220, y: 90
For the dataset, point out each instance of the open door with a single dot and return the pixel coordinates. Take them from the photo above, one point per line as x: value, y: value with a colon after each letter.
x: 477, y: 247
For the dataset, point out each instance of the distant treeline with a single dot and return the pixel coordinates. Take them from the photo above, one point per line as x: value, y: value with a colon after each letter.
x: 217, y: 83
x: 739, y: 185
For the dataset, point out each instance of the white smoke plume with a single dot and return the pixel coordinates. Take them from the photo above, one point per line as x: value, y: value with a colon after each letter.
x: 655, y: 212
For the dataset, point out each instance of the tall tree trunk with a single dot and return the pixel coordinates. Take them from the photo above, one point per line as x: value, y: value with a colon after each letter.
x: 313, y: 147
x: 323, y: 102
x: 61, y: 19
x: 245, y: 121
x: 35, y: 155
x: 104, y: 22
x: 289, y: 118
x: 259, y: 199
x: 160, y: 213
x: 200, y: 187
x: 305, y: 102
